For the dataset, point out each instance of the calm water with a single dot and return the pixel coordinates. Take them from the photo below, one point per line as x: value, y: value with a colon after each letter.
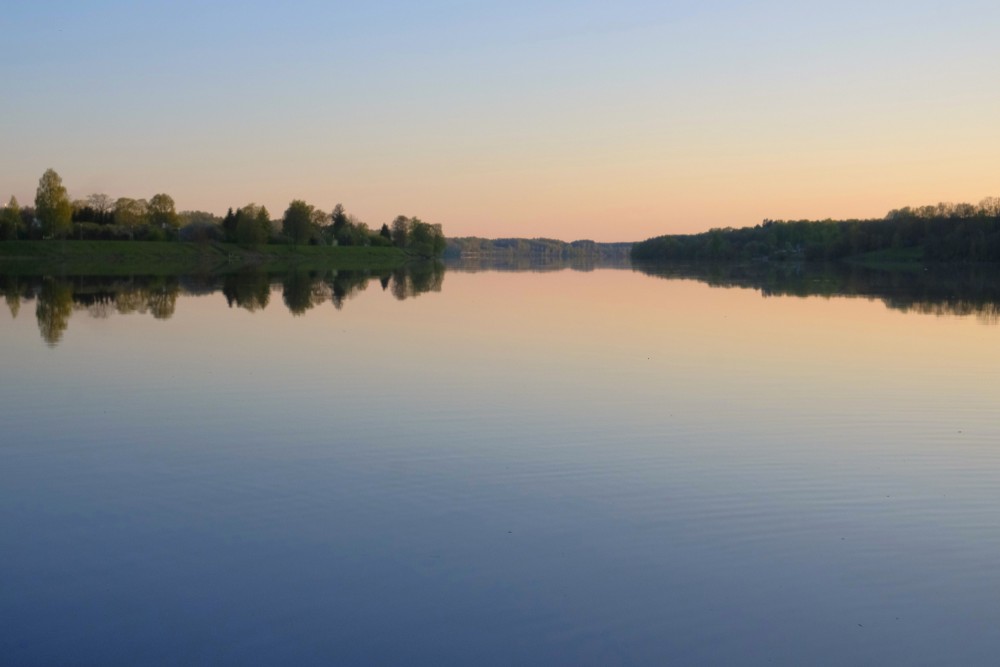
x: 477, y: 467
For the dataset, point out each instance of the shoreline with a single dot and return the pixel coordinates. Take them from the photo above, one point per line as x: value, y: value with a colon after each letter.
x: 172, y: 256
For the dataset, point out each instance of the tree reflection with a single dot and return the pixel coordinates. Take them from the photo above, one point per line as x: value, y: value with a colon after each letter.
x: 54, y: 307
x: 102, y: 297
x: 417, y: 279
x: 934, y: 289
x: 302, y: 291
x: 249, y: 289
x: 938, y: 289
x: 161, y: 298
x: 14, y: 290
x: 345, y: 284
x: 155, y: 295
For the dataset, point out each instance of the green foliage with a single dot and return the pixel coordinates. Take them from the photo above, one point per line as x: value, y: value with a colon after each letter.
x: 97, y: 218
x: 229, y: 225
x: 510, y: 250
x: 339, y: 224
x: 377, y: 240
x: 297, y: 222
x: 319, y: 220
x: 162, y: 213
x: 204, y: 217
x: 401, y: 231
x: 416, y: 236
x: 131, y: 213
x: 945, y: 232
x: 426, y: 239
x: 92, y: 231
x: 10, y: 220
x: 103, y: 207
x: 347, y: 230
x: 52, y: 206
x: 201, y: 232
x: 123, y: 256
x: 253, y: 225
x: 96, y: 208
x: 153, y: 233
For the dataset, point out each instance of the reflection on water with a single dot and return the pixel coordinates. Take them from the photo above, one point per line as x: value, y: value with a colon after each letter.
x: 550, y: 468
x: 940, y: 290
x: 58, y: 297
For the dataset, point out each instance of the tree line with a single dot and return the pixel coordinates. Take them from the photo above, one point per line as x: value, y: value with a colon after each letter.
x: 939, y: 232
x: 101, y: 217
x: 538, y: 249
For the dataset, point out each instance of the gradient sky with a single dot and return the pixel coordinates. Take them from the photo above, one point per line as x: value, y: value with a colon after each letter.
x: 611, y: 121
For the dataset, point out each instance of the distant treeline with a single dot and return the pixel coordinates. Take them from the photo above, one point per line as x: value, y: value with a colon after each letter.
x: 101, y: 217
x: 541, y: 249
x: 942, y: 232
x: 476, y: 263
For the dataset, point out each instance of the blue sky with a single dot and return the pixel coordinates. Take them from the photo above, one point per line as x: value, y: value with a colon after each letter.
x: 571, y: 120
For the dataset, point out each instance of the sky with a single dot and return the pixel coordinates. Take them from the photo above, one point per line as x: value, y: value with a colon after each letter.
x: 570, y: 120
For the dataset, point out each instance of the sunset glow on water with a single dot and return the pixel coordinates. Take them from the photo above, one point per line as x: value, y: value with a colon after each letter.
x: 542, y: 468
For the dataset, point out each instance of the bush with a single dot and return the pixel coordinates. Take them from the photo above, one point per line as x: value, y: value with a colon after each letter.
x: 376, y: 240
x: 150, y: 233
x: 204, y: 232
x: 92, y: 231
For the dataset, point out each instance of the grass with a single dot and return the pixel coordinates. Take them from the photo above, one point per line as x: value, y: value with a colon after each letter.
x: 122, y: 257
x: 891, y: 258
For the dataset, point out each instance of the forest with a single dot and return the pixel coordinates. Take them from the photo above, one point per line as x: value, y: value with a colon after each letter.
x: 475, y: 247
x: 941, y: 232
x: 99, y: 217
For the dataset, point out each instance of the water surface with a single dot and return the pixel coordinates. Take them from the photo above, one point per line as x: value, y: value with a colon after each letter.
x: 568, y: 467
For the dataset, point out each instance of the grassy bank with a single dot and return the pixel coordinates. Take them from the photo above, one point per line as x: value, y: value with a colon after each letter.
x: 902, y: 258
x: 114, y: 257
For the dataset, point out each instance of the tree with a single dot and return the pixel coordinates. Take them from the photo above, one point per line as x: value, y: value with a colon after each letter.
x: 401, y: 231
x: 229, y: 224
x: 385, y: 233
x: 264, y: 223
x: 102, y: 205
x: 340, y: 221
x: 253, y: 226
x: 162, y: 212
x: 990, y: 206
x: 297, y: 222
x: 130, y: 213
x: 10, y: 220
x: 319, y: 220
x: 425, y: 238
x: 198, y: 217
x: 357, y: 232
x: 52, y: 205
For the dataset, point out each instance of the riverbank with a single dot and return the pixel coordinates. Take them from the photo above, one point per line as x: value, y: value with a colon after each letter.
x: 114, y: 257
